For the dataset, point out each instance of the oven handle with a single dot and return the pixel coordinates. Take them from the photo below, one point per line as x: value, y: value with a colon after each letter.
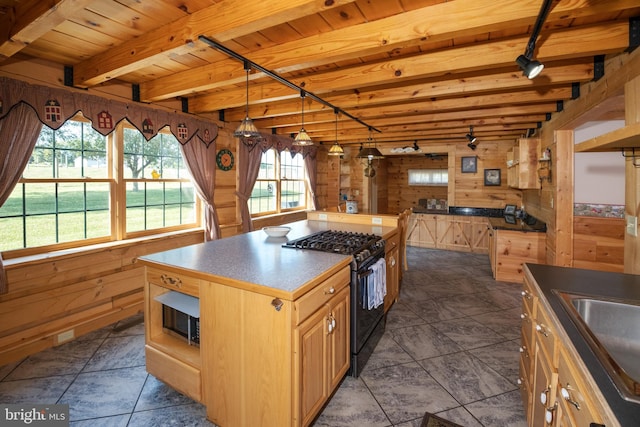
x: 367, y: 273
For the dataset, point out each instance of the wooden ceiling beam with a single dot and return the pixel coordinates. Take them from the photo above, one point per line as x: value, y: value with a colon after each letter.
x: 222, y: 21
x: 559, y: 45
x: 31, y: 20
x: 456, y: 85
x: 378, y: 37
x: 415, y: 108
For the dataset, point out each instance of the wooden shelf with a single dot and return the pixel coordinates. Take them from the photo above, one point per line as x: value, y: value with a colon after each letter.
x: 626, y: 137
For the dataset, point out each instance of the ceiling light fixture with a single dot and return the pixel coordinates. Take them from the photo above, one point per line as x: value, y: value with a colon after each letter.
x: 302, y: 138
x: 336, y: 149
x: 472, y: 139
x: 247, y: 129
x: 370, y: 152
x: 529, y: 66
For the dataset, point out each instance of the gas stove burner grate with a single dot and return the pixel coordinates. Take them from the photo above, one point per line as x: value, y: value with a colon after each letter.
x: 342, y: 242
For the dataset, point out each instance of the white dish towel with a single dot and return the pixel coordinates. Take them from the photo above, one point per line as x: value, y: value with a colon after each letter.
x: 377, y: 284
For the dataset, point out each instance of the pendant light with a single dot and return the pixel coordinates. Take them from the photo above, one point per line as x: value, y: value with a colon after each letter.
x: 370, y: 152
x: 247, y: 129
x: 336, y: 149
x: 302, y: 138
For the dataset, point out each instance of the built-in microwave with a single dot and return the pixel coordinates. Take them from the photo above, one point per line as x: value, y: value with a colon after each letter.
x: 181, y: 315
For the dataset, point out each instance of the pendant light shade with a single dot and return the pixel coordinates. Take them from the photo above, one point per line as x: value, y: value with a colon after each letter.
x: 247, y: 129
x: 370, y: 152
x: 336, y: 149
x: 302, y: 138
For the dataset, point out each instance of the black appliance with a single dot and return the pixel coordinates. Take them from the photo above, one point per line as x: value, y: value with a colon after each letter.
x: 367, y: 325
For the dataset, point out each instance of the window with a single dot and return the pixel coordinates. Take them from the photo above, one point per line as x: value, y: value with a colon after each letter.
x: 428, y: 177
x: 281, y: 184
x: 70, y: 191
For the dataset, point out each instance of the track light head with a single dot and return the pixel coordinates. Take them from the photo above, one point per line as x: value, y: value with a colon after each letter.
x: 472, y: 145
x: 530, y: 67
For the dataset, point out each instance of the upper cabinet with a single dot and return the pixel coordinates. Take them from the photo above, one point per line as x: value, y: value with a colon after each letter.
x: 522, y: 164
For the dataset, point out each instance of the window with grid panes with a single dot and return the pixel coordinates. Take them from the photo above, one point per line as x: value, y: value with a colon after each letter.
x: 69, y: 192
x: 281, y: 184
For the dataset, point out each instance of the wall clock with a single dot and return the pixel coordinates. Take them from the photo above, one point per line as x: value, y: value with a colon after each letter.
x: 224, y: 159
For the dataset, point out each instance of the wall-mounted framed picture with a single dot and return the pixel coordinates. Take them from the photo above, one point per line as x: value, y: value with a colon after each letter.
x: 470, y: 164
x: 491, y: 177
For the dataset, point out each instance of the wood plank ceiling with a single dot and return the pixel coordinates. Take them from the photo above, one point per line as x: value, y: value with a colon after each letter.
x: 416, y: 70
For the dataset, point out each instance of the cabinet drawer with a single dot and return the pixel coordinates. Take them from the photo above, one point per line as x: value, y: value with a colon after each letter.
x: 179, y: 375
x: 392, y: 243
x: 529, y: 297
x: 173, y: 281
x: 524, y: 384
x: 527, y: 324
x: 546, y: 334
x: 526, y: 355
x: 321, y: 294
x: 575, y: 395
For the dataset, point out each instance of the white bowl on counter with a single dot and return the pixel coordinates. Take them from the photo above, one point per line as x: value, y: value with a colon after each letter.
x: 280, y: 231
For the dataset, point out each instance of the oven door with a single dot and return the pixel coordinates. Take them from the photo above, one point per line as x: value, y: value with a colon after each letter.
x: 364, y: 320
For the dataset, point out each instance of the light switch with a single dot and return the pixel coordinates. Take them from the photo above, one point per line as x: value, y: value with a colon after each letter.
x: 632, y: 225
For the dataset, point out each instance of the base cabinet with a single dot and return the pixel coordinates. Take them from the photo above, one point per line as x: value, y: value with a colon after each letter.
x: 452, y: 232
x: 392, y: 257
x: 322, y: 342
x: 556, y: 387
x: 509, y: 250
x: 262, y: 360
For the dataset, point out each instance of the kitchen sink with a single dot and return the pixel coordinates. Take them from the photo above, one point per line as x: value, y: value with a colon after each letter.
x: 612, y: 329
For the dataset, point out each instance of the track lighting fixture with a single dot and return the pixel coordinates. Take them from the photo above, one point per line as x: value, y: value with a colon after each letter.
x: 336, y: 149
x: 302, y: 138
x: 247, y: 129
x: 529, y: 66
x: 472, y: 139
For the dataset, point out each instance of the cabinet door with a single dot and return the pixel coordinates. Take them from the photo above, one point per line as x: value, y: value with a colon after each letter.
x: 421, y: 231
x: 312, y: 357
x: 454, y: 232
x: 393, y: 266
x: 479, y: 235
x: 338, y: 348
x: 545, y: 381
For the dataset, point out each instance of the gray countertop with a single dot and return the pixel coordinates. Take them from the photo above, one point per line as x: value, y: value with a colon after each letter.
x: 598, y: 284
x: 250, y: 259
x: 510, y: 222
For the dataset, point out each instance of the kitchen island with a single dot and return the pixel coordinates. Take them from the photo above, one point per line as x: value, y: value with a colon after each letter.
x: 274, y: 324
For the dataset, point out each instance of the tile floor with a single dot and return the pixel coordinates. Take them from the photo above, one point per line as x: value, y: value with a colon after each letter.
x: 450, y: 348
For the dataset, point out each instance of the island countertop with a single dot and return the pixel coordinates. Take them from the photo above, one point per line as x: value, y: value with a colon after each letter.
x: 258, y: 262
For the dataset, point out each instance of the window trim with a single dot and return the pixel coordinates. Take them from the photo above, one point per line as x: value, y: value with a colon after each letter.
x: 278, y: 179
x: 117, y: 199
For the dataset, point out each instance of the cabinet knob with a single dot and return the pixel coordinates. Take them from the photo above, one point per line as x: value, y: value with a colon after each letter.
x: 526, y: 294
x: 331, y: 291
x: 548, y: 414
x: 541, y: 330
x: 277, y: 304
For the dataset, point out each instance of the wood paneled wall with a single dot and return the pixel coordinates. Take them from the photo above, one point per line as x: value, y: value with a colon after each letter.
x: 468, y: 188
x: 598, y: 243
x: 73, y: 293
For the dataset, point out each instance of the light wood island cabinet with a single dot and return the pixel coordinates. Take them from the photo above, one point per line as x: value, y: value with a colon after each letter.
x: 274, y: 324
x: 510, y: 249
x: 262, y: 360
